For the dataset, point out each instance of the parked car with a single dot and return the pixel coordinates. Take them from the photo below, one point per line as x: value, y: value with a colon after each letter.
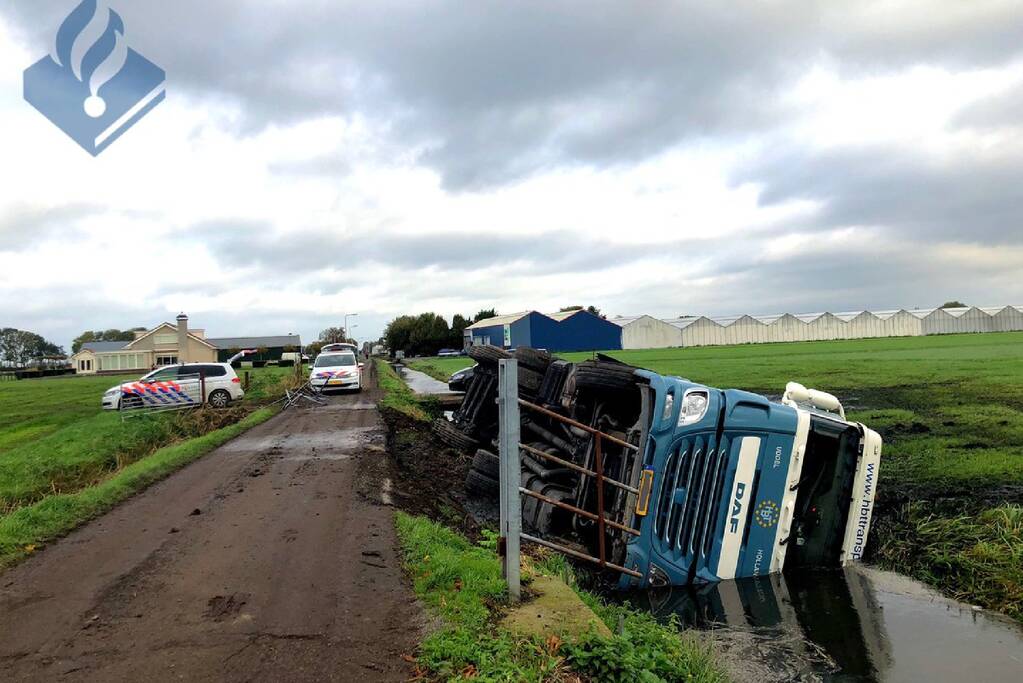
x: 460, y: 380
x: 178, y: 386
x: 450, y: 353
x: 336, y: 371
x: 721, y: 484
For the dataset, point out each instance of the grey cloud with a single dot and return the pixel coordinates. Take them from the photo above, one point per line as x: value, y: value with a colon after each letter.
x: 495, y: 91
x: 967, y: 199
x: 1004, y: 110
x: 22, y: 225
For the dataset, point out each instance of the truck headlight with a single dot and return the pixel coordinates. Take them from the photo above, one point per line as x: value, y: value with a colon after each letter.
x: 694, y: 407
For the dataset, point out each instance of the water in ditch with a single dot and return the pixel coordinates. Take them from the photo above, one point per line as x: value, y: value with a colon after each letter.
x: 856, y: 625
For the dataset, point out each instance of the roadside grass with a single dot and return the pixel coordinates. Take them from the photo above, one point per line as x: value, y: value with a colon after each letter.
x: 23, y: 531
x: 461, y: 583
x: 397, y: 395
x: 77, y: 444
x: 978, y: 559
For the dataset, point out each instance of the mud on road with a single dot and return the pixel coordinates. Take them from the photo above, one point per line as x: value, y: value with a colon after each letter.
x: 272, y: 558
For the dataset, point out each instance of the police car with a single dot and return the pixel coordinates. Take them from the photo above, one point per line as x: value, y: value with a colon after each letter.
x: 176, y: 386
x: 336, y: 371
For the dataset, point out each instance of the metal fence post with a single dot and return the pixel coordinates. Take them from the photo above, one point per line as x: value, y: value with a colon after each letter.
x: 511, y: 510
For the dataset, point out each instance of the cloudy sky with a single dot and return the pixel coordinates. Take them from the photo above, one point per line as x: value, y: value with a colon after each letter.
x: 316, y: 157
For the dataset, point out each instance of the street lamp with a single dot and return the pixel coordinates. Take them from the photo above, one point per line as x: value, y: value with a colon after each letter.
x: 347, y: 316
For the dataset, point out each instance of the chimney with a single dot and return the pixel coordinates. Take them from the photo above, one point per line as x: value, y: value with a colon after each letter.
x: 182, y: 338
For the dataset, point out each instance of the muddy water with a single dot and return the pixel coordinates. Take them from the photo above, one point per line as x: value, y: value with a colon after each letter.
x: 421, y: 383
x: 858, y: 625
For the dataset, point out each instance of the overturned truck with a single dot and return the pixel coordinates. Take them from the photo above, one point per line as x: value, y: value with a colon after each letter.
x: 719, y: 484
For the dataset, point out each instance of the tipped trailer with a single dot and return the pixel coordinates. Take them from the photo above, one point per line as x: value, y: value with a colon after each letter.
x: 705, y: 484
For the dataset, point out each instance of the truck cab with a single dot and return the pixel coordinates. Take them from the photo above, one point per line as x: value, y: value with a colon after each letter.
x: 734, y: 485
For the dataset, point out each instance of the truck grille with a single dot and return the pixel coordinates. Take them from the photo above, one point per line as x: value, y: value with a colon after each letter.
x: 689, y: 500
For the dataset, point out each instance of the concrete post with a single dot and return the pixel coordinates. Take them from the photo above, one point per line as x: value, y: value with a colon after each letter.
x: 511, y: 509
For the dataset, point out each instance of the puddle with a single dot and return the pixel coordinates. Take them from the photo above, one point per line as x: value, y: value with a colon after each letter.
x: 325, y: 445
x: 421, y: 383
x: 857, y: 625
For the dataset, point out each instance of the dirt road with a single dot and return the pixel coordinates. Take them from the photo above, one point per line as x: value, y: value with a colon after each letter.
x: 270, y: 559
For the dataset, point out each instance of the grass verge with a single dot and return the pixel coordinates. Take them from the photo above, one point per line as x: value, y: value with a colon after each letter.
x: 461, y: 583
x: 22, y: 531
x: 397, y: 395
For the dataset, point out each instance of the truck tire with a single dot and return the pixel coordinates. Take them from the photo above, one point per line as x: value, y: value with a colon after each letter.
x: 530, y: 381
x: 488, y: 354
x: 452, y: 436
x: 603, y: 376
x: 537, y: 361
x: 487, y: 463
x: 480, y: 484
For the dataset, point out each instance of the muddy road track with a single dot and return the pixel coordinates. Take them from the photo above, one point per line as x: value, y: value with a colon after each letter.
x: 273, y: 558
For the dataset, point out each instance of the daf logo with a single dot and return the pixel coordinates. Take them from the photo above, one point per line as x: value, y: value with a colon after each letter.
x: 740, y: 491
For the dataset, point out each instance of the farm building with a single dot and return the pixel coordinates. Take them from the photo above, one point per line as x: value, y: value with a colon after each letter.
x: 570, y: 331
x: 169, y: 344
x: 746, y: 329
x: 267, y: 348
x: 646, y: 332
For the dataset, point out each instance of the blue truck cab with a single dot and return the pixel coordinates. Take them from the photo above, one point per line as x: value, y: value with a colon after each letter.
x: 733, y: 485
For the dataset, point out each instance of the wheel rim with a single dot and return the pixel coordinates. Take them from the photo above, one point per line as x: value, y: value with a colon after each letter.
x: 218, y: 400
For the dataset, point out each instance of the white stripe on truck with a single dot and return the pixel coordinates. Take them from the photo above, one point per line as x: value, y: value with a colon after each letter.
x: 738, y: 506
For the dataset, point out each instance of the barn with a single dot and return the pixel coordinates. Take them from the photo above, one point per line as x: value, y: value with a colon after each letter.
x: 560, y: 332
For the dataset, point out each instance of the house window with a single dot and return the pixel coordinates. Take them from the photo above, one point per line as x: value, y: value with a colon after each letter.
x: 166, y: 339
x: 166, y: 360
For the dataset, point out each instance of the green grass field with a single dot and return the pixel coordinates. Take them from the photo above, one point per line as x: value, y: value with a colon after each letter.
x: 950, y: 409
x: 56, y: 441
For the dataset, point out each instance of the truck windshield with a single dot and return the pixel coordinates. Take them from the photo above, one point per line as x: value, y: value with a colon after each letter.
x: 335, y: 361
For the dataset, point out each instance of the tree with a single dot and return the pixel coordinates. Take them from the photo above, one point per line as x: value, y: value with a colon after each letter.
x: 458, y: 325
x: 104, y: 336
x: 954, y: 304
x: 18, y: 347
x: 314, y: 348
x: 589, y: 309
x: 334, y: 335
x: 421, y: 335
x: 485, y: 314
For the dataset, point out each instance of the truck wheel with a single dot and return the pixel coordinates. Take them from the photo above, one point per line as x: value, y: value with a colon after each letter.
x: 488, y: 355
x: 533, y: 359
x: 481, y: 484
x: 530, y: 381
x: 452, y: 436
x: 487, y: 463
x: 603, y: 376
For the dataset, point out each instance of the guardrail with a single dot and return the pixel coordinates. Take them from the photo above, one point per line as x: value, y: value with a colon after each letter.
x: 511, y: 490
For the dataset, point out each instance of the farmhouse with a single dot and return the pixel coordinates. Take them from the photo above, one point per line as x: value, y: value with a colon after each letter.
x: 168, y: 344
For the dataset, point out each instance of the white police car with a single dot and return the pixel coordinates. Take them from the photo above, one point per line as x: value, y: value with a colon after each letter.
x: 336, y: 371
x: 177, y: 386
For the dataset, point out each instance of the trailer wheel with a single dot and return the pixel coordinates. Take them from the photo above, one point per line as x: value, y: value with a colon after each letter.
x: 488, y: 354
x: 481, y: 485
x: 603, y: 376
x: 533, y: 359
x: 487, y: 463
x: 453, y: 436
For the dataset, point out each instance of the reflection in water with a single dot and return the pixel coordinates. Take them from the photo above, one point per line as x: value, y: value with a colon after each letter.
x: 859, y: 624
